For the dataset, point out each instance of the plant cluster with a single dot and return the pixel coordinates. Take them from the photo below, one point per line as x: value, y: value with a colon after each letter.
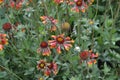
x: 59, y: 40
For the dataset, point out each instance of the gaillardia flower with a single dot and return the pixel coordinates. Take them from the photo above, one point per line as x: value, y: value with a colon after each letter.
x: 47, y: 68
x: 53, y: 67
x: 1, y: 1
x: 89, y: 56
x: 7, y: 26
x: 3, y: 41
x: 44, y: 49
x: 60, y: 42
x: 41, y: 64
x: 81, y: 5
x: 17, y: 4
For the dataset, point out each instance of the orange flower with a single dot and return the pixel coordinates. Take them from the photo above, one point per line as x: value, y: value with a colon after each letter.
x: 1, y: 1
x: 60, y: 41
x: 3, y: 41
x: 1, y: 47
x: 44, y: 49
x: 91, y: 62
x: 47, y: 72
x: 41, y: 64
x: 46, y: 19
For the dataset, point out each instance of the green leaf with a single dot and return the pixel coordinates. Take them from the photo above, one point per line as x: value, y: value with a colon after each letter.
x: 3, y: 74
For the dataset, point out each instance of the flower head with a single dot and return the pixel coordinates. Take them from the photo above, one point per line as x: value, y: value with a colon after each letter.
x: 17, y: 4
x: 84, y: 55
x: 47, y: 19
x: 89, y: 56
x: 1, y: 1
x: 81, y: 5
x: 44, y: 49
x: 53, y: 67
x: 3, y: 41
x: 7, y: 26
x: 60, y: 41
x: 47, y: 68
x: 41, y: 64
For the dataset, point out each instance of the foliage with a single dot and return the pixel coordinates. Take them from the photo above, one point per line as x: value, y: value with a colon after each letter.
x: 60, y: 40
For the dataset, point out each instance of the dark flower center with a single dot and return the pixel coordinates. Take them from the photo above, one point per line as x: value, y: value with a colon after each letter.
x: 42, y: 65
x: 60, y: 40
x: 44, y: 44
x: 79, y: 3
x: 7, y: 26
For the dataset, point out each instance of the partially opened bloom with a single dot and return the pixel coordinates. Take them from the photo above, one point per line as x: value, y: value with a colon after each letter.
x: 60, y: 42
x: 44, y: 49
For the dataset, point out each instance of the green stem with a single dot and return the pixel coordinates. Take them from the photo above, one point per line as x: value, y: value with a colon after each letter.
x: 11, y: 72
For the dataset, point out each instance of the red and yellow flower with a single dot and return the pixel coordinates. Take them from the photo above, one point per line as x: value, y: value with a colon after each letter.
x: 47, y: 19
x: 61, y: 1
x: 44, y: 49
x: 81, y: 5
x: 47, y: 68
x: 1, y: 1
x: 89, y: 56
x: 60, y: 42
x: 3, y: 41
x: 41, y: 64
x: 17, y: 4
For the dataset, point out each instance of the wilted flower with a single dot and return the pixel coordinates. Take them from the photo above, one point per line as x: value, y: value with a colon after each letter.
x: 7, y: 26
x: 44, y: 49
x: 60, y: 41
x: 65, y: 26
